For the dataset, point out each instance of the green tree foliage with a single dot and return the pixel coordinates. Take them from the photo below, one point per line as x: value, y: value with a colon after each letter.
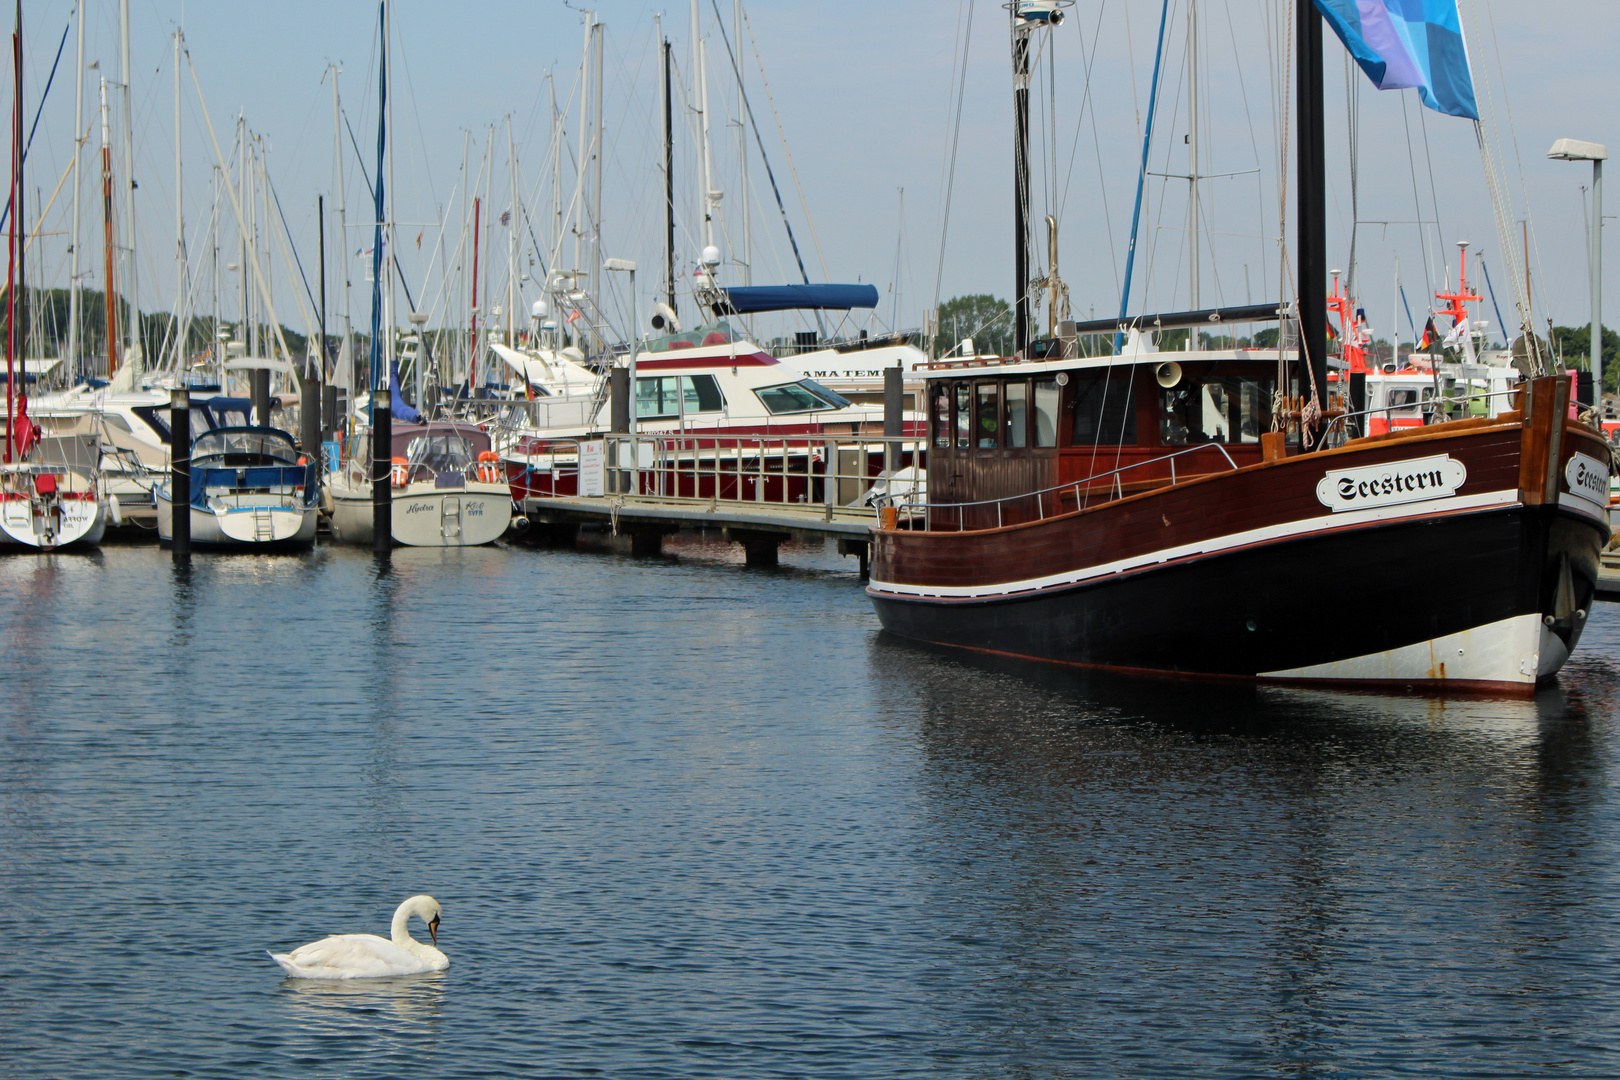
x: 982, y: 317
x: 1573, y: 344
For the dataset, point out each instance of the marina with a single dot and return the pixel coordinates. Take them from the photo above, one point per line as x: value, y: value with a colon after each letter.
x: 644, y: 555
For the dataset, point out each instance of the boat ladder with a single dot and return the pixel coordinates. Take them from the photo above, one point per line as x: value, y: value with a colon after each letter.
x: 264, y: 529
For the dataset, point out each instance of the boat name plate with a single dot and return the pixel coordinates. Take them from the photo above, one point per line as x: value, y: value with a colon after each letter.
x: 1417, y: 480
x: 1589, y: 478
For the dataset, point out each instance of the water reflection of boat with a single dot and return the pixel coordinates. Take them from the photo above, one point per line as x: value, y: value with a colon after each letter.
x: 249, y: 490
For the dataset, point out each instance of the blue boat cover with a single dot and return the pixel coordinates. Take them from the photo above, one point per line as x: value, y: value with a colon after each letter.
x: 746, y: 299
x: 396, y: 404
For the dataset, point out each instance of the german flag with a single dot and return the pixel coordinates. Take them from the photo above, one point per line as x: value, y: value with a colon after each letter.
x: 1333, y: 335
x: 1430, y: 336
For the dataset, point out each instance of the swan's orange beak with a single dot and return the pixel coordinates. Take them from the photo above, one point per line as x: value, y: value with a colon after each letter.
x: 433, y: 929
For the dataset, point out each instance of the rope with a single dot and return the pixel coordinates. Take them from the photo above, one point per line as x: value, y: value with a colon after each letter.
x: 959, y: 87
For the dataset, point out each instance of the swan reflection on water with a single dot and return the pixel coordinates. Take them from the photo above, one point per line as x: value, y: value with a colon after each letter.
x: 333, y: 1004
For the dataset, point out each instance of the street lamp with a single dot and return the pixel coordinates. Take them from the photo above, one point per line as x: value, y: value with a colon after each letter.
x: 1577, y: 150
x: 630, y: 265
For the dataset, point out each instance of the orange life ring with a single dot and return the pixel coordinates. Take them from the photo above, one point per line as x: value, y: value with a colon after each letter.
x: 400, y: 472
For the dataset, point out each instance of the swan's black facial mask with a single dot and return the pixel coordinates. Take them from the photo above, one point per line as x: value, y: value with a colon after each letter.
x: 433, y: 929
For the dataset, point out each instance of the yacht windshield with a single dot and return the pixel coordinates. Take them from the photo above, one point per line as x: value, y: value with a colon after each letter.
x: 806, y: 395
x: 245, y: 448
x: 440, y: 453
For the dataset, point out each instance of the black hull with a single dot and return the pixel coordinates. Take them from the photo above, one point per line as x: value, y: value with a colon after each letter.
x: 1244, y: 613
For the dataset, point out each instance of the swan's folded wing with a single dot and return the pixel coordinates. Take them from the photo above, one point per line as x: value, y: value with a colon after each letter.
x: 352, y: 956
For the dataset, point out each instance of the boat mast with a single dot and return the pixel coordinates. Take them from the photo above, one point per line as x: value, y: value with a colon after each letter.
x: 597, y: 143
x: 1192, y: 162
x: 669, y: 181
x: 746, y: 261
x: 1311, y: 256
x: 347, y: 377
x: 13, y: 446
x: 110, y: 296
x: 74, y: 346
x: 1020, y: 38
x: 134, y: 353
x: 513, y: 293
x: 181, y: 323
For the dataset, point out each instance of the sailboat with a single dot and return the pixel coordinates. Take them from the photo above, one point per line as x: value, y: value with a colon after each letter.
x: 1152, y: 513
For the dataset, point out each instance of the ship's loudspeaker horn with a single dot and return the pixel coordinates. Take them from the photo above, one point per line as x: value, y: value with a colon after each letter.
x: 1168, y: 374
x: 664, y: 319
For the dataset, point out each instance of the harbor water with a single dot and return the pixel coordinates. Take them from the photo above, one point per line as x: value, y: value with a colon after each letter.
x: 688, y: 819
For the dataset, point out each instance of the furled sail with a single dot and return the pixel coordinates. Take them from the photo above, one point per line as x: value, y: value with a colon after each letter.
x: 1408, y: 44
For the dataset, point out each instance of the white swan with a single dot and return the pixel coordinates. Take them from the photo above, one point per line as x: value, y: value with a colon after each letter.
x: 367, y: 956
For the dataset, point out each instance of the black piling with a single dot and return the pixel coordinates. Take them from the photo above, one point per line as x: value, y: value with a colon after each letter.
x: 309, y: 411
x: 180, y: 473
x: 894, y: 425
x: 382, y: 495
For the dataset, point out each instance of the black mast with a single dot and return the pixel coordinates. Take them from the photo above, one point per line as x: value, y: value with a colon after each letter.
x: 1021, y: 184
x: 669, y: 184
x: 1311, y: 255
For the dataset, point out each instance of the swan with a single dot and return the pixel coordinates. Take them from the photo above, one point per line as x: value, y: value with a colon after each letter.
x: 367, y: 956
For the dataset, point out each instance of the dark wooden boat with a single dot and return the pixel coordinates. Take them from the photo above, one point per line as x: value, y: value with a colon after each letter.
x: 1144, y: 512
x: 1462, y: 554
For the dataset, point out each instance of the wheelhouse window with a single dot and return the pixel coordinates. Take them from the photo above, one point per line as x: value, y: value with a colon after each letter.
x: 1015, y: 429
x: 239, y: 448
x: 664, y: 397
x: 964, y: 418
x: 806, y: 395
x: 1224, y: 409
x: 987, y: 415
x: 942, y: 417
x: 1104, y: 413
x: 1048, y: 397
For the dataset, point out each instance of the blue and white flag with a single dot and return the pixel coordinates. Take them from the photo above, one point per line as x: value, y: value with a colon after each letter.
x: 1407, y: 44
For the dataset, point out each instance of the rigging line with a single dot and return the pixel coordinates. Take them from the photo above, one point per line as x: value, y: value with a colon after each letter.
x: 1141, y: 176
x: 365, y: 174
x: 1434, y: 196
x: 1248, y: 113
x: 948, y: 165
x: 313, y: 306
x: 1494, y: 305
x: 6, y: 215
x: 1417, y: 202
x: 956, y: 135
x: 1087, y: 61
x: 804, y: 204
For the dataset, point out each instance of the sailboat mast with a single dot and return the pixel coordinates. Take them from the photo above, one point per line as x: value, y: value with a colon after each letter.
x: 111, y: 294
x: 1192, y: 160
x: 347, y: 377
x: 129, y: 179
x: 747, y: 258
x: 512, y: 291
x: 181, y: 322
x: 13, y: 448
x: 1020, y: 40
x: 669, y: 181
x: 74, y: 345
x: 1311, y: 256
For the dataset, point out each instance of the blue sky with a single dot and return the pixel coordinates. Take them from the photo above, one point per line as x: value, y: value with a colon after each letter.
x: 863, y: 92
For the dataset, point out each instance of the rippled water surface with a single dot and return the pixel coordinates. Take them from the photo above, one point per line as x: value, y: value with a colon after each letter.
x: 692, y: 820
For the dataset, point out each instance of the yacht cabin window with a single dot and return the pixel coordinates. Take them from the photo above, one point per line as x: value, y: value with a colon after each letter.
x: 1104, y: 412
x: 987, y: 419
x: 1224, y: 409
x: 1048, y: 397
x: 1015, y: 432
x: 656, y: 396
x: 440, y: 453
x: 805, y: 395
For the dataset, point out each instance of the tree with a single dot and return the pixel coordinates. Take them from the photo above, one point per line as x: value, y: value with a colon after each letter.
x: 982, y: 317
x: 1573, y: 345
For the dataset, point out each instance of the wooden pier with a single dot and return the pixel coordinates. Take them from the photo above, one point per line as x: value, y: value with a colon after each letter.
x: 759, y: 527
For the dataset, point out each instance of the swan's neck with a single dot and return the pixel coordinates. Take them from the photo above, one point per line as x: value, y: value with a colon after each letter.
x: 401, y: 932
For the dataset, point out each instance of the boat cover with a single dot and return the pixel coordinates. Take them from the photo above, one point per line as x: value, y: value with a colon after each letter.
x: 746, y: 299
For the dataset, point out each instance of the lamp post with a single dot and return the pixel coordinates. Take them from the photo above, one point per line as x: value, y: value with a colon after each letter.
x: 1577, y: 150
x: 635, y: 323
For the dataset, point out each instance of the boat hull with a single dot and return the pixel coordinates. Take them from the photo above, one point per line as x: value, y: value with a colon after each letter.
x: 425, y: 516
x: 1463, y: 556
x: 247, y: 528
x: 1476, y: 625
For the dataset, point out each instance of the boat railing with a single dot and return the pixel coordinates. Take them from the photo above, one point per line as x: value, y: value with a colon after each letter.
x: 811, y: 472
x: 1432, y: 411
x: 1081, y: 489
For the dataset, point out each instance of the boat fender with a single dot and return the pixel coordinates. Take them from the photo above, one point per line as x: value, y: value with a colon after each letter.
x: 520, y: 523
x: 115, y: 512
x: 400, y: 472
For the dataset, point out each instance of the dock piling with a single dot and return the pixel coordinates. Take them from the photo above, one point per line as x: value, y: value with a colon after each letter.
x: 180, y: 473
x: 382, y: 462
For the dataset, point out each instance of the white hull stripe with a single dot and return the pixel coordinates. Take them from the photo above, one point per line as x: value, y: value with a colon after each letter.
x: 1324, y: 523
x: 1512, y: 650
x: 1579, y: 503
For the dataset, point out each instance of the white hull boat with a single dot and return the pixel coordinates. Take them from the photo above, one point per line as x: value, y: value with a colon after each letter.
x: 448, y: 489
